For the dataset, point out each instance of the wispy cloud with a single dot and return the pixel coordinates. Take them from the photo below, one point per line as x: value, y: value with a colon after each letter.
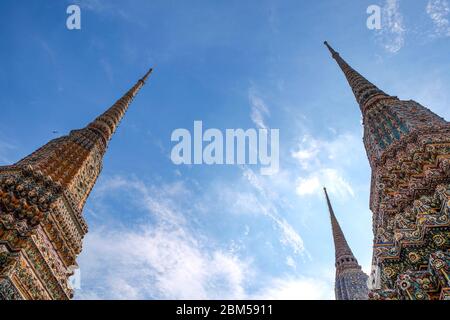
x: 324, y: 163
x: 291, y: 262
x: 168, y: 264
x: 331, y: 178
x: 161, y: 262
x: 438, y: 11
x: 300, y: 288
x: 162, y: 258
x: 307, y: 153
x: 268, y: 205
x: 161, y: 201
x: 259, y: 109
x: 392, y: 32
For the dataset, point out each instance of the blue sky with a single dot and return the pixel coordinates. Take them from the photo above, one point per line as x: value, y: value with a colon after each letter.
x: 161, y: 231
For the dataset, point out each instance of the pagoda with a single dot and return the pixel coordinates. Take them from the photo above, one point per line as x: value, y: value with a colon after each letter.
x: 408, y: 147
x: 351, y: 281
x: 41, y: 203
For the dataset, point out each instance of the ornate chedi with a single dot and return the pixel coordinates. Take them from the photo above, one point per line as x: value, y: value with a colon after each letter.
x: 41, y: 202
x: 408, y: 147
x: 351, y: 281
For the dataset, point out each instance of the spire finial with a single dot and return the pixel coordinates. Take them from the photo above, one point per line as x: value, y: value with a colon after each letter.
x: 330, y: 208
x: 330, y: 48
x: 144, y: 78
x: 362, y: 88
x: 107, y: 123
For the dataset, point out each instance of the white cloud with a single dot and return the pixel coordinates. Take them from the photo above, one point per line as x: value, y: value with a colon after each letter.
x: 290, y: 262
x: 299, y: 288
x: 160, y: 201
x: 307, y: 154
x: 329, y: 178
x: 309, y: 185
x: 167, y: 259
x: 168, y: 264
x: 392, y: 32
x: 240, y: 201
x: 290, y: 236
x: 158, y: 262
x: 324, y: 164
x: 264, y: 202
x: 259, y: 109
x: 267, y: 205
x: 438, y: 11
x: 159, y: 259
x: 312, y: 152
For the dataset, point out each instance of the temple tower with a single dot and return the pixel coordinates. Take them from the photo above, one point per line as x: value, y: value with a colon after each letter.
x: 351, y: 281
x: 408, y: 148
x: 41, y: 202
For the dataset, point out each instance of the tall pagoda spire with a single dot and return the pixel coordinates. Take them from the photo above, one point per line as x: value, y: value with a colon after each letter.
x: 41, y: 202
x: 384, y: 125
x: 408, y: 147
x: 341, y: 246
x: 106, y: 124
x: 351, y: 281
x: 363, y: 89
